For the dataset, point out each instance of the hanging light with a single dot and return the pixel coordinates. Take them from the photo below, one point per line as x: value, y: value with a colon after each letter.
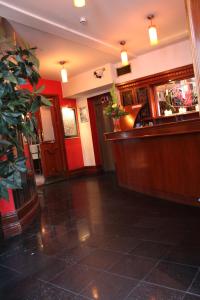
x: 63, y: 71
x: 124, y: 55
x: 153, y: 36
x: 79, y: 3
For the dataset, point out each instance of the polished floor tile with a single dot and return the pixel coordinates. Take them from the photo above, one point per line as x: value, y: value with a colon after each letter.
x: 74, y: 255
x: 7, y: 275
x: 121, y: 244
x: 31, y: 289
x: 93, y: 238
x: 133, y: 266
x: 151, y: 249
x: 75, y: 278
x: 145, y: 291
x: 109, y: 287
x: 195, y: 288
x: 191, y: 297
x: 185, y: 254
x: 172, y: 275
x: 101, y: 259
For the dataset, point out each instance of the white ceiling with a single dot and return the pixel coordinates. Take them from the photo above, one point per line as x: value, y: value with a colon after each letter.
x: 53, y: 26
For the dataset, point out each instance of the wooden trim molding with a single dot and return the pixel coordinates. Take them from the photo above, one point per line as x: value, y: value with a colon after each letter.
x: 175, y: 128
x: 159, y: 78
x: 15, y: 222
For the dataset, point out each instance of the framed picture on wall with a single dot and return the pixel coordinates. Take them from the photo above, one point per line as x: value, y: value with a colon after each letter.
x: 69, y: 122
x: 127, y: 97
x: 83, y: 114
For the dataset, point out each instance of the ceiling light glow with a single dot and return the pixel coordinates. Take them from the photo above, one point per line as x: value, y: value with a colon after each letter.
x: 153, y: 36
x: 124, y: 54
x: 63, y: 71
x: 79, y: 3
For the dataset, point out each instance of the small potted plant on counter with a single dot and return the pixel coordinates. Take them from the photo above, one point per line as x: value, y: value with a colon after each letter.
x: 114, y: 110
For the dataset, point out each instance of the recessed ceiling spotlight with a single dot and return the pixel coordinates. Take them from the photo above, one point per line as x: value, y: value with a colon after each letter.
x: 153, y: 36
x: 79, y: 3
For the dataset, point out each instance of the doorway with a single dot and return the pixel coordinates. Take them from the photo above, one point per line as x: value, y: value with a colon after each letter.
x: 103, y: 124
x: 48, y: 152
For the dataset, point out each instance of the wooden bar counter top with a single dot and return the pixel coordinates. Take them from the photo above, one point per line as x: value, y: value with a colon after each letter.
x: 162, y: 160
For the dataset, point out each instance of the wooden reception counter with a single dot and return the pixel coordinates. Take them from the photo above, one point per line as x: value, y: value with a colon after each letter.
x: 161, y: 160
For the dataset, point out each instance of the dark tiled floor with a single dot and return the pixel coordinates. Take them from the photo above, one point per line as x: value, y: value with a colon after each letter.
x: 94, y: 240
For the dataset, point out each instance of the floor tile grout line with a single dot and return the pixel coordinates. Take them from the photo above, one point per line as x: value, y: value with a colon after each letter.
x: 193, y: 280
x: 163, y: 286
x: 85, y: 288
x: 11, y: 269
x: 58, y: 286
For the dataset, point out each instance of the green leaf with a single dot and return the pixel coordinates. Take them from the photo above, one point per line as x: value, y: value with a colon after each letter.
x: 35, y: 105
x: 4, y: 192
x: 45, y: 101
x: 12, y: 78
x: 39, y: 90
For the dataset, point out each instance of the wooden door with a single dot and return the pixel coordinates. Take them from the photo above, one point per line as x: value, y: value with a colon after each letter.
x: 52, y: 140
x: 104, y: 124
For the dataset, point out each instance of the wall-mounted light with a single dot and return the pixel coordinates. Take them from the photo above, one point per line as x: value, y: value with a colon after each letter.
x: 153, y: 36
x: 79, y: 3
x: 63, y: 71
x: 124, y: 55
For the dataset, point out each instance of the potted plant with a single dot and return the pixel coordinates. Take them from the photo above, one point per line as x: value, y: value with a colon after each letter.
x: 114, y: 110
x: 18, y: 66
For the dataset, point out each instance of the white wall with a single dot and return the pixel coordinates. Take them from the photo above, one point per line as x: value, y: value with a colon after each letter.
x: 163, y: 59
x: 87, y: 82
x: 86, y: 136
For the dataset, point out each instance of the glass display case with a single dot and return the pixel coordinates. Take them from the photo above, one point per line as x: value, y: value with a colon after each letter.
x: 176, y: 97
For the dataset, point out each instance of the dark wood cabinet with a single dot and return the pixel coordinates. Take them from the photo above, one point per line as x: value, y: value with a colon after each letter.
x: 143, y: 91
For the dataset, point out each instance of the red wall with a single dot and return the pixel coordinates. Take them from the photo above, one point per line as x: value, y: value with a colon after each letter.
x: 73, y: 147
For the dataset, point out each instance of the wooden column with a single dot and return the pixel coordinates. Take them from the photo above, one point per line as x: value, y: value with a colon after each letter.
x: 193, y: 13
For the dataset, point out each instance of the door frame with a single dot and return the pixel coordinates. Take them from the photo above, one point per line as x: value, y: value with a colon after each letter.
x: 60, y: 128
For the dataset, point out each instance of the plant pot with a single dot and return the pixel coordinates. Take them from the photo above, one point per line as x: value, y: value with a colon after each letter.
x: 116, y: 124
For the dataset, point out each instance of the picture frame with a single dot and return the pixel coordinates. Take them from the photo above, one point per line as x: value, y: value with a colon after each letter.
x: 69, y: 122
x: 83, y: 112
x: 127, y: 97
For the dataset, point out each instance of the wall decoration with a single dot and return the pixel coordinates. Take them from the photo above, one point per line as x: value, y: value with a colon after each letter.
x: 69, y: 122
x: 127, y: 97
x: 143, y: 98
x: 83, y: 114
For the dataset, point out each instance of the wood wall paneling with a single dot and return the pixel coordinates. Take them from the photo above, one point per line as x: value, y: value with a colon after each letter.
x: 161, y: 161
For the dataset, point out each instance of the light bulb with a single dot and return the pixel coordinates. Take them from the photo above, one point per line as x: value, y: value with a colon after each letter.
x: 153, y: 36
x: 64, y: 75
x: 79, y: 3
x: 124, y: 58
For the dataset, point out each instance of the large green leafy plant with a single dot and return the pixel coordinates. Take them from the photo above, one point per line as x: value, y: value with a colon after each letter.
x: 18, y: 66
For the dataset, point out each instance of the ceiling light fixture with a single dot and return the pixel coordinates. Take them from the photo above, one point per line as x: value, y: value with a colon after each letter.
x: 79, y: 3
x: 124, y: 55
x: 63, y: 72
x: 153, y: 36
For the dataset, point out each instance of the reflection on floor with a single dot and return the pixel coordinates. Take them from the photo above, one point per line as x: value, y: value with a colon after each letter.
x: 94, y: 240
x: 39, y: 179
